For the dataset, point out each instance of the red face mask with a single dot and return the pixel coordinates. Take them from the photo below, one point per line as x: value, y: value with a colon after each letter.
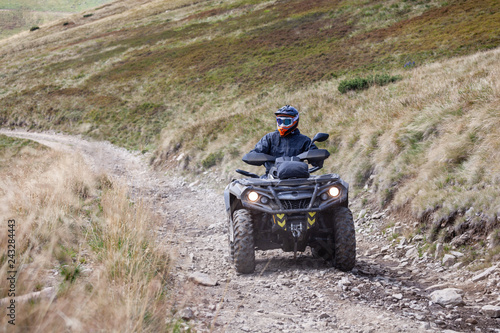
x: 286, y: 124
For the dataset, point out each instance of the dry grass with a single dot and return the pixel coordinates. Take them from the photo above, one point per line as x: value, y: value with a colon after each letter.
x: 428, y: 145
x: 202, y: 79
x: 16, y: 21
x: 79, y: 233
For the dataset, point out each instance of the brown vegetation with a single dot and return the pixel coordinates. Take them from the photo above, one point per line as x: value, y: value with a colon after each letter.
x: 80, y: 235
x: 193, y: 78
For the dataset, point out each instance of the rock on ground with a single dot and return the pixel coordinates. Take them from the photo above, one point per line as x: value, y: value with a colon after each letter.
x: 492, y: 311
x: 448, y: 296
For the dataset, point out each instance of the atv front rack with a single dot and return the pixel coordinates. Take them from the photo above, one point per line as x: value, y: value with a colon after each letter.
x: 290, y: 196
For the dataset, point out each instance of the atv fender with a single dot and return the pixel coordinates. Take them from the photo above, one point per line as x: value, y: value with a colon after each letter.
x: 232, y: 196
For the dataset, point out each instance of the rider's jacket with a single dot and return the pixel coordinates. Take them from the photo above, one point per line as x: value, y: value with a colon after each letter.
x: 274, y: 144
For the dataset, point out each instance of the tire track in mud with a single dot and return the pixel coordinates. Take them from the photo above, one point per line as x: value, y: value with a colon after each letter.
x: 387, y: 291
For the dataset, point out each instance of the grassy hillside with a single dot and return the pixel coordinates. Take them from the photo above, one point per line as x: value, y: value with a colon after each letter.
x: 52, y: 5
x: 16, y: 21
x: 77, y: 237
x: 202, y: 79
x: 22, y: 15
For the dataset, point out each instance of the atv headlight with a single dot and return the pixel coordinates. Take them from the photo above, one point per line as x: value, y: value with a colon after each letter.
x: 264, y: 200
x: 253, y: 196
x: 334, y: 191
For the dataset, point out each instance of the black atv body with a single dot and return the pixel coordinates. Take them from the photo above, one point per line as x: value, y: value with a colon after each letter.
x: 290, y: 209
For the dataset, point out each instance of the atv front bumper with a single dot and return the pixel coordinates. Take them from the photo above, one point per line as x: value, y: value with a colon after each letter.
x: 293, y: 196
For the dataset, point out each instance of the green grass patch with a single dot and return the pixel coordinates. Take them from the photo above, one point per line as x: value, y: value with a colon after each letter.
x: 212, y: 159
x: 361, y: 83
x: 12, y: 147
x: 51, y: 5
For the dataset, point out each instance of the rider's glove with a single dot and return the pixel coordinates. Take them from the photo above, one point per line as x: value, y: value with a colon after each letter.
x: 318, y: 164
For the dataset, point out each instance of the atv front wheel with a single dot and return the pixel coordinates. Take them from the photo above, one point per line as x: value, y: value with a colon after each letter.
x: 243, y: 244
x: 344, y: 239
x: 229, y: 242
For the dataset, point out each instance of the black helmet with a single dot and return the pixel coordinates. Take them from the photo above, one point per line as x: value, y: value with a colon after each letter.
x: 287, y: 119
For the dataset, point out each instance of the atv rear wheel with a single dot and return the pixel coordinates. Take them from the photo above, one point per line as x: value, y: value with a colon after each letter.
x: 344, y: 238
x: 243, y: 244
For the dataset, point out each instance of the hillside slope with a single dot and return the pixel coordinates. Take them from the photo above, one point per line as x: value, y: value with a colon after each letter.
x: 197, y: 82
x: 23, y: 15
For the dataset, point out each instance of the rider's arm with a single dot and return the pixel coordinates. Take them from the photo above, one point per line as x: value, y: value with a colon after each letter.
x: 306, y: 144
x: 263, y: 146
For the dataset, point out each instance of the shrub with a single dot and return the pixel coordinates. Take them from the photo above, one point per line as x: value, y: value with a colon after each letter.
x: 88, y: 15
x: 353, y: 84
x: 212, y: 159
x: 384, y: 79
x: 360, y: 83
x: 35, y: 27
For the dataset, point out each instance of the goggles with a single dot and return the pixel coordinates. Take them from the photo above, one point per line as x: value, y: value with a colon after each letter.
x: 285, y: 121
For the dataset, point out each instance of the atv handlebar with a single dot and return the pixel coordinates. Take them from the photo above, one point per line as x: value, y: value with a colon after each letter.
x: 316, y: 168
x: 315, y: 157
x: 258, y: 158
x: 246, y: 173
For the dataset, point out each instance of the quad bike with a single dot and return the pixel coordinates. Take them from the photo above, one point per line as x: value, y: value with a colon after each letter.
x: 290, y: 209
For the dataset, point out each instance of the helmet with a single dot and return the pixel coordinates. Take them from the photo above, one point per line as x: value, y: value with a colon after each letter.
x: 287, y: 119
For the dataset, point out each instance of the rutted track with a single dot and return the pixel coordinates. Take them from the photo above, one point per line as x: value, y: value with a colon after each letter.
x: 388, y: 290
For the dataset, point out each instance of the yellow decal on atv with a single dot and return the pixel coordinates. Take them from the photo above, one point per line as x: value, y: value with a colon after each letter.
x: 280, y: 220
x: 311, y: 219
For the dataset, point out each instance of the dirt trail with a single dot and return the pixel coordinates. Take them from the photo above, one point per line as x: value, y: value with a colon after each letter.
x: 387, y: 291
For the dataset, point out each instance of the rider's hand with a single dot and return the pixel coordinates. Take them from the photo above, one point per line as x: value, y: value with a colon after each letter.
x: 318, y: 164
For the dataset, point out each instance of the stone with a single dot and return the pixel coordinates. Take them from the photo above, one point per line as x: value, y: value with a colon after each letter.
x: 448, y: 260
x: 425, y: 326
x: 440, y: 322
x: 412, y: 253
x: 398, y: 296
x: 458, y: 265
x: 385, y: 249
x: 196, y: 182
x: 377, y: 216
x: 448, y: 296
x: 439, y: 251
x: 180, y: 157
x: 202, y: 279
x: 460, y: 240
x: 371, y: 251
x: 457, y: 254
x: 362, y: 213
x: 187, y: 314
x: 491, y: 311
x: 345, y: 281
x: 493, y: 240
x: 484, y: 274
x: 418, y: 238
x: 324, y: 316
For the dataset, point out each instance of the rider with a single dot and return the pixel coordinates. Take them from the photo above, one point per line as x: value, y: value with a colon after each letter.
x: 286, y: 140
